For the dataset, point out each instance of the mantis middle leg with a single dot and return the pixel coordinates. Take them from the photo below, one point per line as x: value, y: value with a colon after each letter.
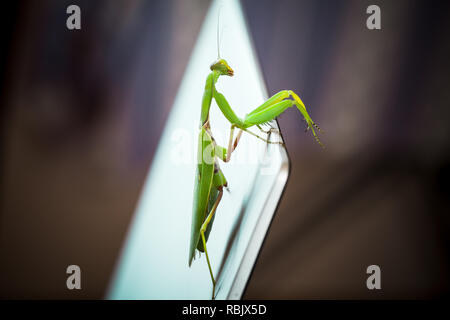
x: 232, y: 145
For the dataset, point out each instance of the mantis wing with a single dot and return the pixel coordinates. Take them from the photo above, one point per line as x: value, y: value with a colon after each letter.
x: 202, y: 189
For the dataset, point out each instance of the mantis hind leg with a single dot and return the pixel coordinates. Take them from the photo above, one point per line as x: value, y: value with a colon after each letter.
x: 202, y: 234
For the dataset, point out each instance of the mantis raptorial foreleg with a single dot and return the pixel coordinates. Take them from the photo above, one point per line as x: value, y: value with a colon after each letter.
x: 269, y: 110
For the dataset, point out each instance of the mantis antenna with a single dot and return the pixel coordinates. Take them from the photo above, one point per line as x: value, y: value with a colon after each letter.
x: 217, y: 36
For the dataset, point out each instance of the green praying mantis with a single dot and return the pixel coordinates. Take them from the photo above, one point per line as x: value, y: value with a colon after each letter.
x: 209, y: 179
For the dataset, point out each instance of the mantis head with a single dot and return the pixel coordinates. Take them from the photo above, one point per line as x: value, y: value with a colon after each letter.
x: 222, y: 66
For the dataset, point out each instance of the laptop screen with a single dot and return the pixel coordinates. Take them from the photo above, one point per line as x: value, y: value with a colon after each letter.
x: 154, y: 260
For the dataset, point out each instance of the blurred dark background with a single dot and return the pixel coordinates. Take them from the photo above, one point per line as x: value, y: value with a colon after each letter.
x: 82, y: 113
